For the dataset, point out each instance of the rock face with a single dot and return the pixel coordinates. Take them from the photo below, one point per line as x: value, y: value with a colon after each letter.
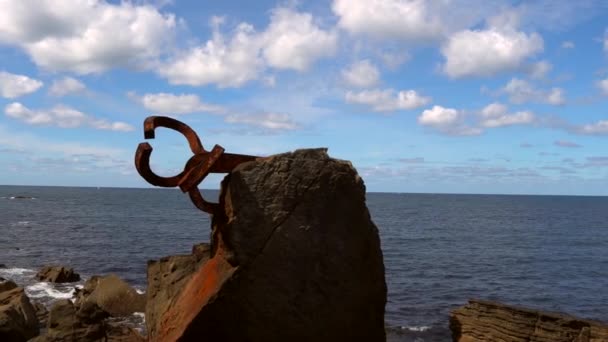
x: 57, y: 274
x: 166, y: 278
x: 69, y: 322
x: 18, y: 320
x: 490, y: 321
x: 295, y: 257
x: 112, y: 295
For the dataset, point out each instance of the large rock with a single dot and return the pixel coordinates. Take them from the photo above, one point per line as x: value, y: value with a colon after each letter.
x: 57, y: 274
x: 18, y: 320
x: 67, y: 323
x: 295, y: 257
x: 491, y: 321
x: 112, y: 295
x: 6, y: 284
x: 166, y: 277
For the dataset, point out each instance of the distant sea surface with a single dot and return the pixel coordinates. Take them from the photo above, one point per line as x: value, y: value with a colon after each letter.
x: 546, y: 252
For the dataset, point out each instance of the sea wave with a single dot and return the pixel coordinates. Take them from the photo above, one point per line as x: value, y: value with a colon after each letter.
x: 44, y: 289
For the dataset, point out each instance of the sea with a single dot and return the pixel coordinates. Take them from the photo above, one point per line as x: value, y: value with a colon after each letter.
x: 542, y: 252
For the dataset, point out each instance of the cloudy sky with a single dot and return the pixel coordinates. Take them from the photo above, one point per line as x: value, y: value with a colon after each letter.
x: 458, y: 96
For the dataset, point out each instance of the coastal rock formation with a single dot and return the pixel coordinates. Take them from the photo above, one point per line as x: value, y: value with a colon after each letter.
x: 166, y: 277
x: 490, y: 321
x: 295, y: 257
x: 112, y: 295
x: 57, y: 274
x: 17, y: 315
x: 69, y: 322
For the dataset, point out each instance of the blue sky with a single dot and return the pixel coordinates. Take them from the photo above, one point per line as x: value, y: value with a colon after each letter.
x: 464, y: 96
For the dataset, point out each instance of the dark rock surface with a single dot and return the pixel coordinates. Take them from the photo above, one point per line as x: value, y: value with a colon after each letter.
x: 166, y: 277
x: 295, y: 257
x: 112, y: 295
x: 491, y: 321
x: 42, y: 314
x: 6, y: 285
x: 17, y: 315
x: 57, y: 274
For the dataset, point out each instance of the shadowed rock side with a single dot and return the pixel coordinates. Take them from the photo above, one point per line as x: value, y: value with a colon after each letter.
x: 57, y: 274
x: 295, y: 257
x: 18, y: 320
x: 491, y: 321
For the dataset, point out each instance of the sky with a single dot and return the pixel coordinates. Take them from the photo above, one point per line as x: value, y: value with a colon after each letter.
x: 433, y: 96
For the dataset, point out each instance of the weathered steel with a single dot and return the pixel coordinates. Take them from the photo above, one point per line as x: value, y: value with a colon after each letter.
x: 197, y: 167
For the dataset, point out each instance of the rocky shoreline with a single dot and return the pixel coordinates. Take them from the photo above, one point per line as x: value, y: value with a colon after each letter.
x: 294, y: 256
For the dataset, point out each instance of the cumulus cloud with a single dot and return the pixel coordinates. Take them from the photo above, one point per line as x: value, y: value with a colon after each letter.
x: 566, y: 143
x: 61, y: 116
x: 521, y: 91
x: 496, y: 115
x: 13, y: 85
x: 447, y: 121
x: 65, y: 86
x: 85, y: 36
x: 294, y: 41
x: 388, y: 100
x: 498, y: 48
x: 166, y: 103
x: 268, y: 121
x: 291, y: 41
x: 361, y: 74
x: 394, y: 19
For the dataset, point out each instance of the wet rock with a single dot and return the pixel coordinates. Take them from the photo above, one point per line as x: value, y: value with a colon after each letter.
x: 65, y: 324
x: 166, y: 277
x: 121, y: 333
x: 2, y: 266
x: 295, y: 257
x: 57, y: 274
x: 17, y: 316
x: 6, y: 285
x: 42, y: 314
x: 112, y: 295
x: 491, y: 321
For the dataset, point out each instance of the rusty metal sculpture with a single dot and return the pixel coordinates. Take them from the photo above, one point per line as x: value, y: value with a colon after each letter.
x: 197, y: 167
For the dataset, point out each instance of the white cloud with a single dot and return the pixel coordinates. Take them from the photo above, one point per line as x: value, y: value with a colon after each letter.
x: 439, y: 117
x: 388, y: 100
x: 603, y: 85
x: 606, y: 41
x: 597, y: 128
x: 65, y: 86
x: 540, y: 69
x: 496, y: 115
x: 393, y: 19
x: 361, y: 74
x: 61, y: 116
x: 294, y: 41
x: 498, y: 48
x: 13, y: 85
x: 227, y: 62
x: 394, y: 60
x: 521, y: 91
x: 165, y: 103
x: 448, y: 121
x: 291, y: 41
x: 85, y: 36
x: 269, y: 121
x: 568, y: 45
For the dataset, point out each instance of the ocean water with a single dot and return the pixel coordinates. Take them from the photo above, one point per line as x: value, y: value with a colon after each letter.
x: 546, y: 252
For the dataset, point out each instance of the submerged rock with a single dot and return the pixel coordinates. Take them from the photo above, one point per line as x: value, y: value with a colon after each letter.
x: 57, y: 274
x: 17, y: 315
x: 295, y: 257
x: 491, y: 321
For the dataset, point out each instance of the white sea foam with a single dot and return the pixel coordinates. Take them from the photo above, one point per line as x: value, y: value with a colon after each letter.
x: 417, y: 329
x: 20, y: 223
x: 44, y: 289
x: 16, y: 271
